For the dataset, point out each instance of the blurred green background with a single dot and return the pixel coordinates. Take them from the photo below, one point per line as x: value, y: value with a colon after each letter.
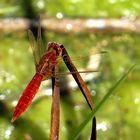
x: 118, y: 119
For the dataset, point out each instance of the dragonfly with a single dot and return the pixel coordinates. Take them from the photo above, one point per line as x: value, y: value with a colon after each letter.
x: 47, y: 67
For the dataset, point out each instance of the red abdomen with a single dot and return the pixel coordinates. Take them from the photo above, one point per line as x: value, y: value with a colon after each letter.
x: 27, y: 96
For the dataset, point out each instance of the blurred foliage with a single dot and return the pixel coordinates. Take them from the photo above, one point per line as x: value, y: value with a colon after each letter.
x: 73, y: 8
x: 118, y: 119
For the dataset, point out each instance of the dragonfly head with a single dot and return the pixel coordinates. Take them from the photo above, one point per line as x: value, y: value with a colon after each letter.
x: 55, y: 46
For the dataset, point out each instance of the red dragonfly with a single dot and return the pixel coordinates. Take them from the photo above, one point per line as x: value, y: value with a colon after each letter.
x: 46, y: 67
x: 44, y: 71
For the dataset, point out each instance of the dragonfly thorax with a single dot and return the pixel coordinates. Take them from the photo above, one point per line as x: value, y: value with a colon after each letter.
x: 47, y: 63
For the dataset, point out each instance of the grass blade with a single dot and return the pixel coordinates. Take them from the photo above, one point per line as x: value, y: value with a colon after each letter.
x: 92, y: 114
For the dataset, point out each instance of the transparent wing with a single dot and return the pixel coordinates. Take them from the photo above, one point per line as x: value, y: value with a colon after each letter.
x: 33, y: 46
x: 92, y: 60
x: 39, y: 42
x: 37, y: 48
